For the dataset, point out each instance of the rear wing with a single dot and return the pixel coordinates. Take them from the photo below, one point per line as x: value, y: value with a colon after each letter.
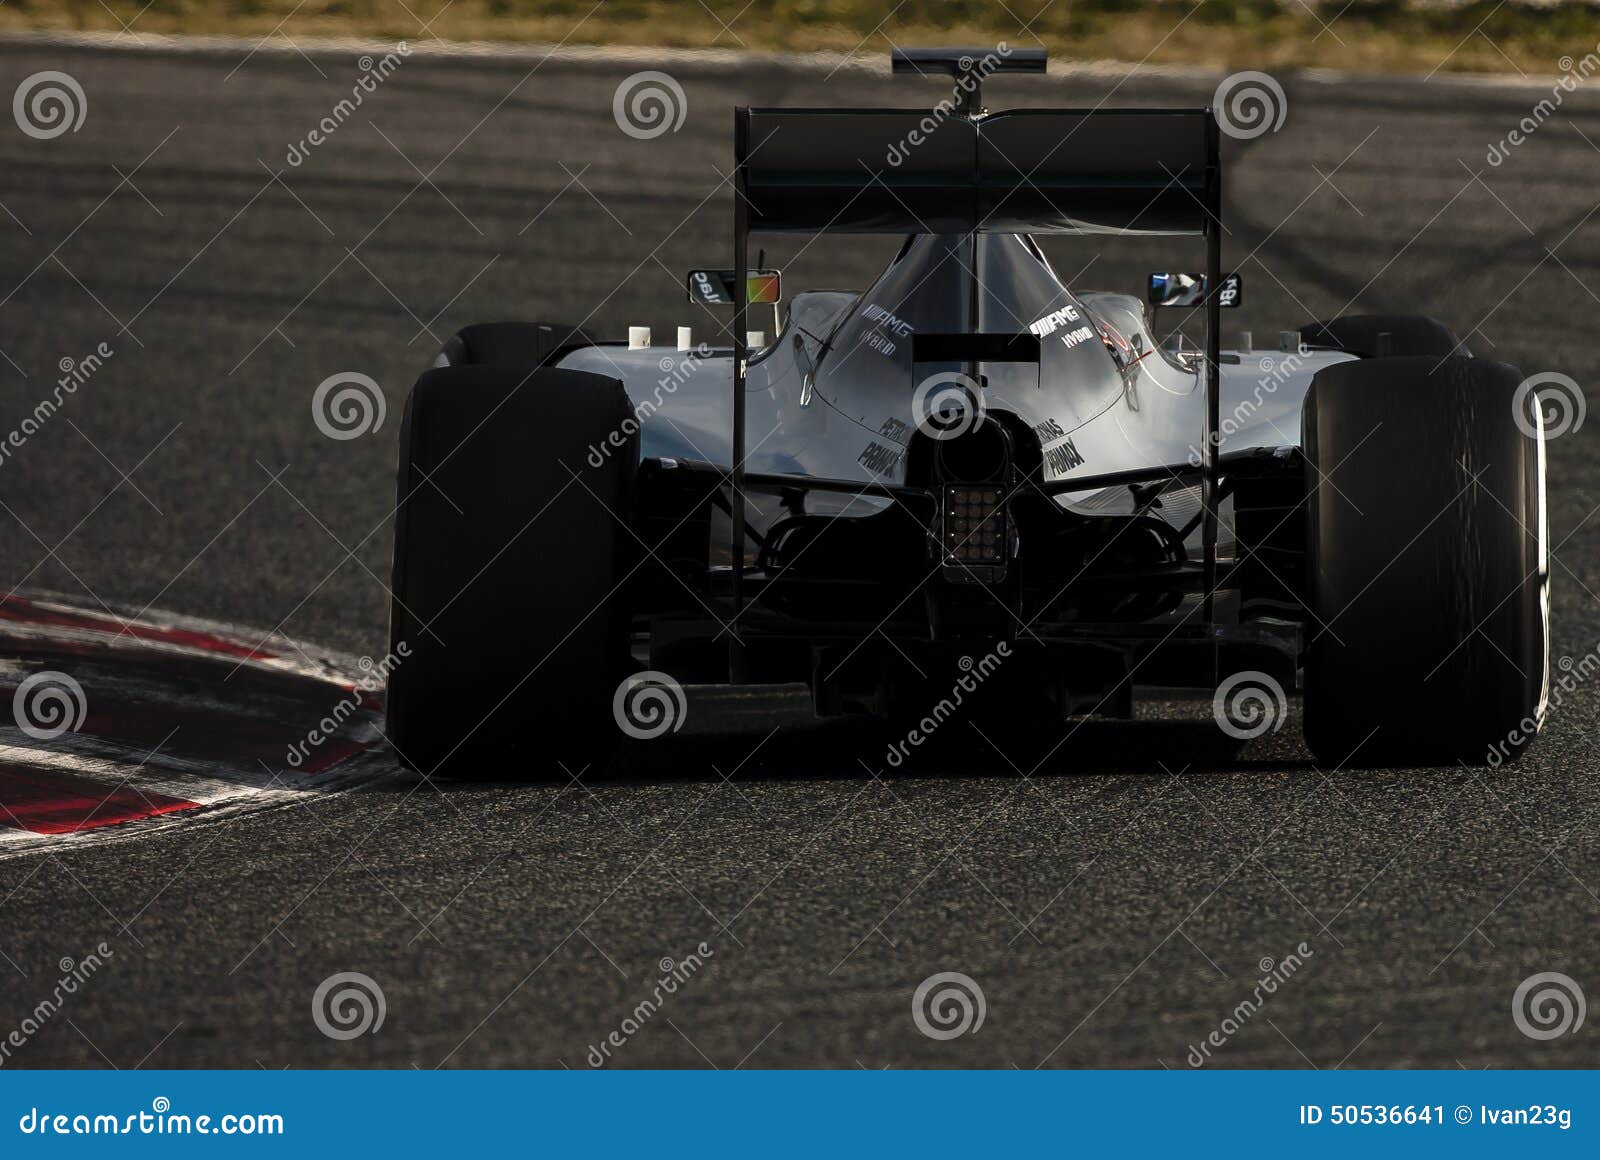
x: 1113, y: 171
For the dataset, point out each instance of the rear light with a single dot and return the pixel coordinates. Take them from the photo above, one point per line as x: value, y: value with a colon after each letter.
x: 973, y: 531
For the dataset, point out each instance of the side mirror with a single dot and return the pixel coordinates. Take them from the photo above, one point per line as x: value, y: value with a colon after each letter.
x: 1190, y: 290
x: 715, y: 287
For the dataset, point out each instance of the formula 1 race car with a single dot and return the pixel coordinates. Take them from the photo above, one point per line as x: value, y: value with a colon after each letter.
x: 970, y: 459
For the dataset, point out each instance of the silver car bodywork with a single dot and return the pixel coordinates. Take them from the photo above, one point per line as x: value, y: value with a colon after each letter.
x: 834, y: 395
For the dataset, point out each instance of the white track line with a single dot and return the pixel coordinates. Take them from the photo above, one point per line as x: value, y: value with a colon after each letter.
x: 221, y: 787
x: 367, y: 769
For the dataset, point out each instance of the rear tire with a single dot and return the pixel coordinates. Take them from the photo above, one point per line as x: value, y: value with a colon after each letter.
x: 521, y: 345
x: 1429, y: 579
x: 507, y: 569
x: 1409, y: 334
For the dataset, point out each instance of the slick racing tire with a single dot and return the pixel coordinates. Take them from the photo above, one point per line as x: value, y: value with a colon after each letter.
x: 510, y: 344
x: 1409, y: 334
x: 1429, y: 574
x: 508, y: 628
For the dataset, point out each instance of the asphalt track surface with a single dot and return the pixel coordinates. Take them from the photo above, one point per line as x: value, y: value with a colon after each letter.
x: 1114, y: 906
